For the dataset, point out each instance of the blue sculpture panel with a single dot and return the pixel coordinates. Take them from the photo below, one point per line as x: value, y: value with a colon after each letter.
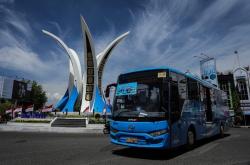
x: 69, y: 107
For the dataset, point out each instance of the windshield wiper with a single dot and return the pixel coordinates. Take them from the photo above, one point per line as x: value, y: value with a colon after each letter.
x: 164, y: 109
x: 142, y: 114
x: 122, y: 111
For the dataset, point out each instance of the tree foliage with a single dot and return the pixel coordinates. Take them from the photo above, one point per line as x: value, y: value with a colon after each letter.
x: 4, y: 106
x: 38, y: 96
x: 236, y: 107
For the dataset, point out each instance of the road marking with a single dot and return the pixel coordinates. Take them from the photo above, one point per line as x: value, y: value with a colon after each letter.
x: 231, y: 137
x: 104, y: 161
x: 199, y: 150
x: 207, y: 148
x: 109, y: 147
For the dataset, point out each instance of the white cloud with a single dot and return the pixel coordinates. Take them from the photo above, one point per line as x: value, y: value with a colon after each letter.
x: 16, y: 54
x: 21, y: 59
x: 159, y: 37
x: 7, y: 1
x: 163, y: 33
x: 17, y: 20
x: 53, y: 98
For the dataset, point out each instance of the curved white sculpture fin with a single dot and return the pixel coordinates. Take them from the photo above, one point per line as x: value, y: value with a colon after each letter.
x: 103, y: 57
x: 71, y: 77
x: 79, y: 72
x: 90, y: 68
x: 73, y: 58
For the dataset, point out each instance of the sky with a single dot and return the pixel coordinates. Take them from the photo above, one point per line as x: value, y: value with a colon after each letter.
x: 162, y: 33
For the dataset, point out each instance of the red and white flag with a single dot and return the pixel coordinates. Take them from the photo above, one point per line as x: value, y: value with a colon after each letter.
x: 29, y: 108
x: 18, y: 109
x: 8, y: 111
x: 86, y: 110
x: 48, y: 108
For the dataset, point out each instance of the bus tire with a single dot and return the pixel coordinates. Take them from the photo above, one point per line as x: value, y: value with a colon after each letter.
x: 105, y: 131
x: 190, y: 139
x: 221, y: 131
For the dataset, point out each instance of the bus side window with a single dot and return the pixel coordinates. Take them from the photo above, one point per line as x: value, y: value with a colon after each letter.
x: 174, y: 102
x: 177, y: 95
x: 182, y: 88
x: 194, y: 103
x: 207, y: 103
x: 165, y: 100
x: 193, y: 90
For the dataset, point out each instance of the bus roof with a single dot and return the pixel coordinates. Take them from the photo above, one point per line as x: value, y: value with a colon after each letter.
x: 188, y: 74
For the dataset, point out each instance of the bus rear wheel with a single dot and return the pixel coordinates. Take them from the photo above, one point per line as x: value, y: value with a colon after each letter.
x: 221, y: 131
x: 190, y: 139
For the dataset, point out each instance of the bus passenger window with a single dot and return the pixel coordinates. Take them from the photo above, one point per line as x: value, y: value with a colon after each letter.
x: 174, y: 102
x: 182, y: 90
x: 193, y: 90
x: 207, y: 103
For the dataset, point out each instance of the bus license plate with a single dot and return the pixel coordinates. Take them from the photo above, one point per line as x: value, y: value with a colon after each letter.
x: 131, y: 140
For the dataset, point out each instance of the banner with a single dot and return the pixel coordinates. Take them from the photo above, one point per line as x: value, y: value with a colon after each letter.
x: 29, y: 108
x: 18, y: 109
x: 47, y: 108
x: 208, y: 71
x: 19, y: 89
x: 8, y: 111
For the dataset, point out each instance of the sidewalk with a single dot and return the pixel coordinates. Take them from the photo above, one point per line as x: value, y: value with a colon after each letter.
x: 43, y: 127
x: 241, y: 126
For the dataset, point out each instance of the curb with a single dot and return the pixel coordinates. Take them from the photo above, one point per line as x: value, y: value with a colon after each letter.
x: 45, y: 128
x: 241, y: 127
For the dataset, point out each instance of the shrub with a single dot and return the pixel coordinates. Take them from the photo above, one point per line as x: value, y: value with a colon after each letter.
x: 97, y: 116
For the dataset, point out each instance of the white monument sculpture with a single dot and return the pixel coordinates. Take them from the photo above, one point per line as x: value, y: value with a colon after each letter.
x: 83, y: 85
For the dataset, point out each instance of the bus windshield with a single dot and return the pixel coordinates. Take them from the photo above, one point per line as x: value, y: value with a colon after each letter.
x: 140, y: 99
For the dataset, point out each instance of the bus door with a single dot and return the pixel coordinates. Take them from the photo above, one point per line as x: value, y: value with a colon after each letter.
x: 175, y: 113
x: 196, y: 115
x: 208, y: 111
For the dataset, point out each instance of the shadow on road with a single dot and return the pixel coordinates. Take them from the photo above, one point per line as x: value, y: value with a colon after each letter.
x: 161, y: 154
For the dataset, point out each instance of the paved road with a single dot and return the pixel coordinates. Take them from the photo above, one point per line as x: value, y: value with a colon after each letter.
x: 95, y: 149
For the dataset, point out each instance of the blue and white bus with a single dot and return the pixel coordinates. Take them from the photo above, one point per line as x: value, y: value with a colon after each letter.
x: 164, y: 108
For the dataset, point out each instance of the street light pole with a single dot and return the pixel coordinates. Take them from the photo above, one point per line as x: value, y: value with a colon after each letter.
x: 205, y: 55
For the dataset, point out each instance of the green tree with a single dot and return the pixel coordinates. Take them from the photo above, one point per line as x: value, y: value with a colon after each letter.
x: 38, y: 96
x: 5, y: 106
x: 236, y: 107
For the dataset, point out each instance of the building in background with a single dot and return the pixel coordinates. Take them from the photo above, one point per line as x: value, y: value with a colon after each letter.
x: 6, y: 87
x: 226, y: 83
x: 241, y: 80
x: 15, y: 89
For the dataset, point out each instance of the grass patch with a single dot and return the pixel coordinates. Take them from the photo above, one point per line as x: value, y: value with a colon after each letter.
x: 31, y: 121
x: 93, y: 120
x: 72, y: 116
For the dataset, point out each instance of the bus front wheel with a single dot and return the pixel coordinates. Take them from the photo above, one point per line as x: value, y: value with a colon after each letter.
x: 190, y: 139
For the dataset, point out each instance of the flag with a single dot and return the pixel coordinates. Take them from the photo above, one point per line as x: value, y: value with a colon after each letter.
x: 104, y: 111
x: 86, y: 110
x: 47, y: 108
x: 8, y: 111
x: 18, y: 109
x: 29, y: 108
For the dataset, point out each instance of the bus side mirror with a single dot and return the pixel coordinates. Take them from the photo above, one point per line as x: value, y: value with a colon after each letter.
x: 107, y: 91
x: 175, y: 116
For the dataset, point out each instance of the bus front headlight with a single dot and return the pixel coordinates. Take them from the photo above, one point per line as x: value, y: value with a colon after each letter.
x: 158, y: 133
x: 113, y: 130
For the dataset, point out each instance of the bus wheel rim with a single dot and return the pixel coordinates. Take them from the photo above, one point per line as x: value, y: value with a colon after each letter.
x: 190, y: 138
x: 221, y: 130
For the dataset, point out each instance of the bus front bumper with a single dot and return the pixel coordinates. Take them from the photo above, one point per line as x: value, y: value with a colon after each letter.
x: 140, y: 140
